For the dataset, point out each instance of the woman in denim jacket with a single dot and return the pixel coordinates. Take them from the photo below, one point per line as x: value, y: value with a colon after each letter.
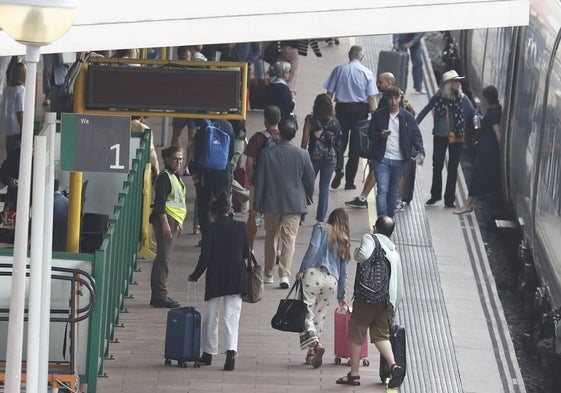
x: 322, y: 272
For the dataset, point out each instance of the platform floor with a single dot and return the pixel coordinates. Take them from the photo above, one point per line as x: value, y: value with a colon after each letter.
x: 457, y: 336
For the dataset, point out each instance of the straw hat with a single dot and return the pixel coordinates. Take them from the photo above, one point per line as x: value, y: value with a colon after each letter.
x: 451, y: 76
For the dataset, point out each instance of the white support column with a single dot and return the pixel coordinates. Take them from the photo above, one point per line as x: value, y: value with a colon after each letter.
x: 36, y: 265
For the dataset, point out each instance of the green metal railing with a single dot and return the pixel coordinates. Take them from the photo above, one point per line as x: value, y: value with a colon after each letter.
x: 113, y: 265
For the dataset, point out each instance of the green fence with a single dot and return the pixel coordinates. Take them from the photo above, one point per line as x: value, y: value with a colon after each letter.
x: 113, y: 265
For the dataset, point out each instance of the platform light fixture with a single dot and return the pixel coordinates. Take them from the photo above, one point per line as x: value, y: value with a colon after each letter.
x: 33, y: 23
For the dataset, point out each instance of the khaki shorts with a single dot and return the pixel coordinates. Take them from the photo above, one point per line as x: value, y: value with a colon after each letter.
x: 365, y: 315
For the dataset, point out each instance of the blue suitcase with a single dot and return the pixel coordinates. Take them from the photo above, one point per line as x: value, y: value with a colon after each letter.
x: 183, y: 336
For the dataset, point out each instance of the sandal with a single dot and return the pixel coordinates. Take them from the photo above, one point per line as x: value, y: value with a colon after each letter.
x: 352, y: 380
x: 397, y: 374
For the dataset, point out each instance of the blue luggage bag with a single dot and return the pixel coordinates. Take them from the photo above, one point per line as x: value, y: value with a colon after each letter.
x: 183, y: 336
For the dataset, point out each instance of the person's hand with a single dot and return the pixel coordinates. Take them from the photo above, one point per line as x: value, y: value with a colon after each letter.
x: 408, y: 45
x: 195, y: 178
x: 179, y: 229
x: 342, y: 303
x: 299, y: 276
x: 166, y: 231
x: 190, y: 278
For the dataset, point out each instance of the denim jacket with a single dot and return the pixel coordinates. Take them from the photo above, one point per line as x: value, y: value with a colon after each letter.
x: 409, y: 135
x: 318, y: 255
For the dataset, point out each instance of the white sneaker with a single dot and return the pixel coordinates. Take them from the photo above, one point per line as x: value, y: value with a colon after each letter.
x: 284, y: 283
x: 268, y: 280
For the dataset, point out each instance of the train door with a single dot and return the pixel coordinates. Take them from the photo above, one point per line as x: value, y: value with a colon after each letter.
x: 524, y: 118
x: 546, y: 206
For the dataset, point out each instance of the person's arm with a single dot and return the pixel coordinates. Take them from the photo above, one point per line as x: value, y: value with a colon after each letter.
x: 366, y: 248
x: 418, y: 141
x: 342, y: 283
x: 497, y: 131
x: 306, y: 132
x: 19, y: 116
x: 163, y: 188
x: 204, y: 258
x: 395, y: 41
x: 372, y: 103
x: 426, y: 110
x: 259, y: 182
x: 313, y: 248
x: 249, y: 164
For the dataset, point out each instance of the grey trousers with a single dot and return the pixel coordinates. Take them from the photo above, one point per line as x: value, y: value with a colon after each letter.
x: 160, y: 266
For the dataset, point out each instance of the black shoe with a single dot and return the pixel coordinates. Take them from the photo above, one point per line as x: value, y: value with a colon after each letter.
x: 350, y: 187
x: 230, y: 360
x: 432, y: 201
x: 205, y: 359
x: 357, y: 203
x: 336, y: 182
x: 167, y: 303
x: 451, y: 205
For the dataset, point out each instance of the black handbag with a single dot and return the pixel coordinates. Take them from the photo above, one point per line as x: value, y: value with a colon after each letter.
x: 291, y: 313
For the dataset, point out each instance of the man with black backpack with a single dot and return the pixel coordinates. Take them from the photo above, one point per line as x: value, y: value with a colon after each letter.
x: 378, y: 291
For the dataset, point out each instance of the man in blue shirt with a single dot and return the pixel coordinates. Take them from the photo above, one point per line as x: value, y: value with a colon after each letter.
x: 354, y: 88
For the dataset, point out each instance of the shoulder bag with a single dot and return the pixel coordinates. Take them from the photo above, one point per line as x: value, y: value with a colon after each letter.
x: 291, y: 313
x: 254, y: 280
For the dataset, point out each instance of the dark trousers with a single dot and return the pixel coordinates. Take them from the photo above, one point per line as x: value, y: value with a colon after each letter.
x: 348, y: 115
x: 440, y: 144
x: 210, y: 185
x: 160, y: 266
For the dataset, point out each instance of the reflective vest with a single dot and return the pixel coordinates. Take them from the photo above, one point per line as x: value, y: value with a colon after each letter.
x: 175, y: 202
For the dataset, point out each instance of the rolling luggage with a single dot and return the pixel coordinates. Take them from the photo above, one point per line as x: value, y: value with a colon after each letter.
x: 362, y: 127
x: 183, y: 336
x: 397, y: 339
x: 409, y: 180
x: 342, y: 342
x: 257, y: 93
x: 397, y: 63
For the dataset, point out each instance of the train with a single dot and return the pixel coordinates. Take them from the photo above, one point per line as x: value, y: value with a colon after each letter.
x: 524, y: 63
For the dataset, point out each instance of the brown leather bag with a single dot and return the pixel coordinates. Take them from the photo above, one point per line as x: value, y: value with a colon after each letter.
x: 254, y: 280
x: 452, y: 137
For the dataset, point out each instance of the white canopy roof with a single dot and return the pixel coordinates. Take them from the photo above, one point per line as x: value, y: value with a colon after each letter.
x: 119, y: 24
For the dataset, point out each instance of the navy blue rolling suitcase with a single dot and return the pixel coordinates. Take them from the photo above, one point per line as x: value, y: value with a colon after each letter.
x: 183, y: 336
x: 397, y: 63
x: 397, y: 339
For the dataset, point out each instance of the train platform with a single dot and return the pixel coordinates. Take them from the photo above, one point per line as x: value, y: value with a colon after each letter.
x: 457, y: 336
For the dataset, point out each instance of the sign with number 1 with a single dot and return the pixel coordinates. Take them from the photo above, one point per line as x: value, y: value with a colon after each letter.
x: 95, y: 143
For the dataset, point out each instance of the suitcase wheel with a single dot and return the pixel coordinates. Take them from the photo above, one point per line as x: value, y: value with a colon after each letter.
x: 197, y: 365
x: 167, y: 362
x: 181, y: 364
x: 337, y: 360
x: 365, y: 362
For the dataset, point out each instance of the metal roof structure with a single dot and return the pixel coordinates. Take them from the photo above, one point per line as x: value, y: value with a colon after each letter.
x: 119, y: 24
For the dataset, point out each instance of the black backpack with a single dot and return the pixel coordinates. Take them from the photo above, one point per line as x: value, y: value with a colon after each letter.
x: 372, y: 278
x: 272, y: 140
x: 321, y: 145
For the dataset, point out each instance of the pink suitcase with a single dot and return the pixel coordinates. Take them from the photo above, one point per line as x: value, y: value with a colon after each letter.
x: 342, y: 343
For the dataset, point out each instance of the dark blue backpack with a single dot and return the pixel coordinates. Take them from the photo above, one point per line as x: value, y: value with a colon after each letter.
x: 216, y: 147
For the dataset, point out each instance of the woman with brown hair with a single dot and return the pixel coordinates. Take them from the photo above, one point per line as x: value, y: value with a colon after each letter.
x: 322, y: 137
x: 323, y: 272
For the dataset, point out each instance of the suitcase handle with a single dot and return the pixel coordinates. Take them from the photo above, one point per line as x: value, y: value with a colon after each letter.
x: 189, y: 292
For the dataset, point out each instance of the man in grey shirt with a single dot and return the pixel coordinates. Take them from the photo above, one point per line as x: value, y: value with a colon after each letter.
x: 284, y: 182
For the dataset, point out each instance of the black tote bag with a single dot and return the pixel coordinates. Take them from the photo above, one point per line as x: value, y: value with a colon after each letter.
x: 291, y: 313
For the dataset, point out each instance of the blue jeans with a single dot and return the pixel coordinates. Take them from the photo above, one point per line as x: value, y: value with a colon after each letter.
x: 388, y: 172
x: 417, y: 62
x: 325, y: 169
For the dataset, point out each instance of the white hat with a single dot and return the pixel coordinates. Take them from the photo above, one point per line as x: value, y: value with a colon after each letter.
x: 451, y: 76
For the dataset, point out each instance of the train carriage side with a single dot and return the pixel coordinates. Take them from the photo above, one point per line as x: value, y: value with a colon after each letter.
x: 525, y: 66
